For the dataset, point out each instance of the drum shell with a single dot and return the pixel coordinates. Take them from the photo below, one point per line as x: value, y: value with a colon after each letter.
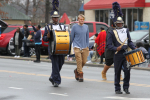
x: 134, y: 57
x: 61, y: 43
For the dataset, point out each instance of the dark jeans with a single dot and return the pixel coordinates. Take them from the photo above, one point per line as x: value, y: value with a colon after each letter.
x: 26, y: 50
x: 57, y: 63
x: 38, y: 52
x: 121, y: 63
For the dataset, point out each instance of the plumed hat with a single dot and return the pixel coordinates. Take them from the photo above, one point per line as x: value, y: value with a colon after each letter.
x: 118, y: 15
x: 55, y: 12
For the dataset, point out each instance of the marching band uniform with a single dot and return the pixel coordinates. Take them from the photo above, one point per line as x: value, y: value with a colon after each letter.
x: 57, y: 60
x: 117, y: 37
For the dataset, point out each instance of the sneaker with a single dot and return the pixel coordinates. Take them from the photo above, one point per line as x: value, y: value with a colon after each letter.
x: 51, y: 80
x: 18, y: 56
x: 56, y: 84
x: 15, y: 56
x: 118, y: 92
x: 126, y: 91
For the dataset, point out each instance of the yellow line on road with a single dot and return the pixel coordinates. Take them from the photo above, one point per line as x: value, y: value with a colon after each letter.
x: 93, y: 80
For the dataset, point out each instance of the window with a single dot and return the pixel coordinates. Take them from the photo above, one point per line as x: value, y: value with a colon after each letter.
x: 134, y: 16
x: 124, y: 15
x: 130, y: 19
x: 106, y: 16
x: 97, y: 15
x: 98, y: 26
x: 101, y: 16
x: 90, y: 25
x: 9, y: 29
x: 140, y: 14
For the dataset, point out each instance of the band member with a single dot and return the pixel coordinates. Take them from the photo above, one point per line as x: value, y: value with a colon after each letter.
x: 117, y: 37
x: 57, y: 60
x: 80, y: 39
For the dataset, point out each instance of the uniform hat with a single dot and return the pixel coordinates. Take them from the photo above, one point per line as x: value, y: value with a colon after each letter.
x: 55, y: 12
x: 118, y: 13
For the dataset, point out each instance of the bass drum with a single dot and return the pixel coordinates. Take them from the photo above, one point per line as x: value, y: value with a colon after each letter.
x: 60, y: 43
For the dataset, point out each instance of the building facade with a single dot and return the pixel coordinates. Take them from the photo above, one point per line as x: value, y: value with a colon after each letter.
x: 133, y: 10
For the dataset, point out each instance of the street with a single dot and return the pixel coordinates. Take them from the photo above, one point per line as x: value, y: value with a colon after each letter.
x: 25, y: 80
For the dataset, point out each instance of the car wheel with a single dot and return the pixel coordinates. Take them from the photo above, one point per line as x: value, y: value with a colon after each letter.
x: 32, y: 51
x: 10, y: 47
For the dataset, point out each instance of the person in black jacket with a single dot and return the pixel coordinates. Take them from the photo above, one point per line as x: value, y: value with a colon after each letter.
x: 26, y: 34
x: 17, y: 40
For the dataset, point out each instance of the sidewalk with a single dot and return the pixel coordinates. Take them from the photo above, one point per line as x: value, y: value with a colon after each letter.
x: 43, y: 59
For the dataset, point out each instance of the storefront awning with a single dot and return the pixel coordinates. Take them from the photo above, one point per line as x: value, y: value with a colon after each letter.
x: 107, y: 4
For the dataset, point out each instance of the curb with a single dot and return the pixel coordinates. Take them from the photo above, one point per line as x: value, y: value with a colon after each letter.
x: 66, y: 62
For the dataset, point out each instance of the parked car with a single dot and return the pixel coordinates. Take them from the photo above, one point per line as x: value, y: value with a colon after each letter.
x: 136, y: 36
x: 94, y: 27
x: 6, y: 40
x: 140, y: 36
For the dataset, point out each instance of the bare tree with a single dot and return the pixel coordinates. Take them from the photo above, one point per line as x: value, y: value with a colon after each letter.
x: 47, y: 11
x: 27, y: 7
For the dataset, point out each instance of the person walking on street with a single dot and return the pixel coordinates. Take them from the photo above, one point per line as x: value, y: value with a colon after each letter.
x: 57, y: 60
x: 37, y: 40
x: 117, y: 37
x: 80, y: 39
x: 17, y: 40
x: 26, y: 34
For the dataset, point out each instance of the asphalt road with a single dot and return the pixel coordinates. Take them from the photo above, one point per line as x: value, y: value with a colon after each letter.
x: 25, y: 80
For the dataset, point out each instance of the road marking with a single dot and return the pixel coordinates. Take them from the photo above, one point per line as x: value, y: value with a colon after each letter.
x: 125, y: 98
x: 93, y: 80
x: 58, y: 94
x: 15, y: 88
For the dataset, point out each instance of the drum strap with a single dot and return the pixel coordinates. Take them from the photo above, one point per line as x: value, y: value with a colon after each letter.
x: 60, y: 26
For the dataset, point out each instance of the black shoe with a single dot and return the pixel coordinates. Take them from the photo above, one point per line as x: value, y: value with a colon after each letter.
x: 36, y: 61
x: 56, y: 84
x: 126, y: 91
x: 51, y: 80
x: 118, y: 92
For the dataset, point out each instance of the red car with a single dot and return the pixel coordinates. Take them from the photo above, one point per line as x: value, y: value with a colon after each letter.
x: 94, y: 27
x: 6, y: 40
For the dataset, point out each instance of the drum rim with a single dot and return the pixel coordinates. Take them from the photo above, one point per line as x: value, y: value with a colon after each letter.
x: 133, y: 51
x: 137, y: 64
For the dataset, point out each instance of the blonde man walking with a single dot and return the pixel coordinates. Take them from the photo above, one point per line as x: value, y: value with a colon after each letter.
x: 80, y: 39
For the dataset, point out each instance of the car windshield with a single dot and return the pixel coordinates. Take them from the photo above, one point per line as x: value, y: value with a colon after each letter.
x: 9, y: 29
x: 136, y: 35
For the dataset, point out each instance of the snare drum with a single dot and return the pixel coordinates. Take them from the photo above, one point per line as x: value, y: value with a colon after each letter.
x: 61, y: 43
x: 134, y: 57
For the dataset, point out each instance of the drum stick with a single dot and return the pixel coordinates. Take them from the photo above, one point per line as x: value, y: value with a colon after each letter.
x: 121, y: 45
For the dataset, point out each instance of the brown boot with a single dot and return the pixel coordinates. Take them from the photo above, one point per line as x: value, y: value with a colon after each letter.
x: 76, y: 74
x: 81, y: 77
x: 104, y: 72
